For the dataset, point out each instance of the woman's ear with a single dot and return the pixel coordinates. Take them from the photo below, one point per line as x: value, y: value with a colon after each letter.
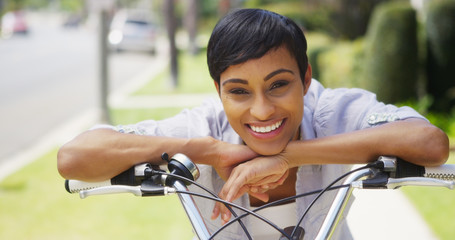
x: 308, y: 77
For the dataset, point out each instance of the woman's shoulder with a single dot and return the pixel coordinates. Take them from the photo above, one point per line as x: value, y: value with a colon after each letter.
x: 319, y: 96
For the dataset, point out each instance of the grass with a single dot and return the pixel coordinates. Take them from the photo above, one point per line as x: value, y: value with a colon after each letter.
x: 193, y: 77
x: 35, y: 205
x: 130, y: 116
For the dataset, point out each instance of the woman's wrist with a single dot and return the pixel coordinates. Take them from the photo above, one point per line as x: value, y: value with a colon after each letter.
x: 292, y: 154
x: 203, y: 150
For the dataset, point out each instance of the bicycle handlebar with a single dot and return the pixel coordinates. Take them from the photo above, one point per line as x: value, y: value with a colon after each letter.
x: 147, y: 180
x: 131, y: 177
x: 395, y: 173
x: 385, y: 173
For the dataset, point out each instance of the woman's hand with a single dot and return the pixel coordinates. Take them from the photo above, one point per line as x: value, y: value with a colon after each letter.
x: 255, y: 177
x: 230, y: 156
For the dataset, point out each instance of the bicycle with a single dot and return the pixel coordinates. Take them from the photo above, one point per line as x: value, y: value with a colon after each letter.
x: 148, y: 180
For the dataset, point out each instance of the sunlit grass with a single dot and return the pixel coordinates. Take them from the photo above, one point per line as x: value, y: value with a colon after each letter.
x: 35, y: 205
x: 131, y: 116
x: 194, y: 77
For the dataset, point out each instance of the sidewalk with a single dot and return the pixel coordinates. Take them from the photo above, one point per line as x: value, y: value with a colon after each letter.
x: 386, y: 214
x: 376, y: 214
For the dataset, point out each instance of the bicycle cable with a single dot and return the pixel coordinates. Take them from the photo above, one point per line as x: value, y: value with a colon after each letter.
x: 325, y: 190
x: 277, y: 202
x: 211, y: 193
x: 228, y: 205
x: 236, y: 206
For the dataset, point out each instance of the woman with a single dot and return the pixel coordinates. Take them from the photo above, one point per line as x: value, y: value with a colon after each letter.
x: 274, y: 132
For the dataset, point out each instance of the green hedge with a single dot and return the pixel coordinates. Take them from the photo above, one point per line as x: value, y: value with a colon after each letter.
x: 440, y: 31
x: 391, y: 59
x: 341, y: 64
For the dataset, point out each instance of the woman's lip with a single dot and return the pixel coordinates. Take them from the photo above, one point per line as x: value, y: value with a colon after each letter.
x: 269, y: 134
x: 265, y: 128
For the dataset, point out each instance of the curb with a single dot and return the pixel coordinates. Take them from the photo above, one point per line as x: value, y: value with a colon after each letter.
x: 57, y: 137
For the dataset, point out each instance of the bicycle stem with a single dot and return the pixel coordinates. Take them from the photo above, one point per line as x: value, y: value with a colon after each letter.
x: 336, y: 210
x: 192, y: 211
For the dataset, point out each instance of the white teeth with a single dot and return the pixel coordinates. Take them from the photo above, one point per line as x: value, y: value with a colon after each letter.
x: 267, y: 128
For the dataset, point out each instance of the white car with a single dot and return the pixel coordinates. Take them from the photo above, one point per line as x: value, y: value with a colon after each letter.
x: 132, y: 32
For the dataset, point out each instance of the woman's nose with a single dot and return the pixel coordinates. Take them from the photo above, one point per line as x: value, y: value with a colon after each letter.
x: 262, y: 108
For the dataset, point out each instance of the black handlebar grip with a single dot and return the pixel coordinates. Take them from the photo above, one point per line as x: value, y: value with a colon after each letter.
x: 407, y: 169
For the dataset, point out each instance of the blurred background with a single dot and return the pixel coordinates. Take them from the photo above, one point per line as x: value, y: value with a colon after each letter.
x: 66, y: 65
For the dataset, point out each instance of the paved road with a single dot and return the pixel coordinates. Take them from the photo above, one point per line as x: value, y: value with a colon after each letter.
x: 49, y: 77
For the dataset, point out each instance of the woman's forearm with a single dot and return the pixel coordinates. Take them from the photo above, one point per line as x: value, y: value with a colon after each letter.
x: 103, y: 153
x: 413, y: 140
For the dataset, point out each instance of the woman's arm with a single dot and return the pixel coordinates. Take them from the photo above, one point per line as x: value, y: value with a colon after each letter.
x: 101, y: 154
x: 413, y: 140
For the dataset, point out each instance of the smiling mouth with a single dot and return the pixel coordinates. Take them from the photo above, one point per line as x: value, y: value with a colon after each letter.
x: 266, y: 129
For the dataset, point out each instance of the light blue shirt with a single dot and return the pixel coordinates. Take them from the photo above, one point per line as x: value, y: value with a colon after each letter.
x: 326, y: 112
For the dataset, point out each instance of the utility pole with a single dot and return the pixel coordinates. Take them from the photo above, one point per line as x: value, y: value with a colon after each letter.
x: 191, y: 18
x: 171, y: 25
x: 103, y: 63
x: 102, y: 8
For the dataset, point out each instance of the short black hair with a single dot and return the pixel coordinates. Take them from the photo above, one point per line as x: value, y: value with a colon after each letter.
x: 246, y: 34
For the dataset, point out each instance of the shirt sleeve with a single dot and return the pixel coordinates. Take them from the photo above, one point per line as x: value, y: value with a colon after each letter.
x: 205, y: 120
x: 346, y: 110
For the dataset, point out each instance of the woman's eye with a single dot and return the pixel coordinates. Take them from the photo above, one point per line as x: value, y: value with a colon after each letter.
x: 238, y: 91
x: 279, y: 84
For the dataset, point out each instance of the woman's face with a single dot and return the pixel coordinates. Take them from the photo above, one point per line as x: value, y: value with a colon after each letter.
x: 263, y: 100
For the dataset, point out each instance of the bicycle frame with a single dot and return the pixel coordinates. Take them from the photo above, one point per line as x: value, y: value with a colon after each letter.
x: 192, y: 211
x: 339, y: 203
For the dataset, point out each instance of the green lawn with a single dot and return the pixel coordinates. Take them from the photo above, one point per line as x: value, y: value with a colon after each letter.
x: 35, y: 205
x: 194, y: 77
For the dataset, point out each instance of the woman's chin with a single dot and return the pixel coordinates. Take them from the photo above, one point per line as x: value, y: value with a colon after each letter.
x: 266, y: 150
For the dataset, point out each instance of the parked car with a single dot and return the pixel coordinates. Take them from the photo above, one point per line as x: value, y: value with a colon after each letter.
x: 131, y: 31
x: 13, y: 23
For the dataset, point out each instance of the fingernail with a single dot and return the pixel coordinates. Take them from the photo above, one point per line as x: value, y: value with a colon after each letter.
x: 215, y: 213
x: 225, y: 217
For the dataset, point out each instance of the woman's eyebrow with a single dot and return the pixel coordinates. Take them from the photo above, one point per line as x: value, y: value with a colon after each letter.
x: 270, y: 75
x: 235, y: 80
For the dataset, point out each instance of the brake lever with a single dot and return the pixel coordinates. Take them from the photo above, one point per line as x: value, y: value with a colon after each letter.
x: 395, y: 183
